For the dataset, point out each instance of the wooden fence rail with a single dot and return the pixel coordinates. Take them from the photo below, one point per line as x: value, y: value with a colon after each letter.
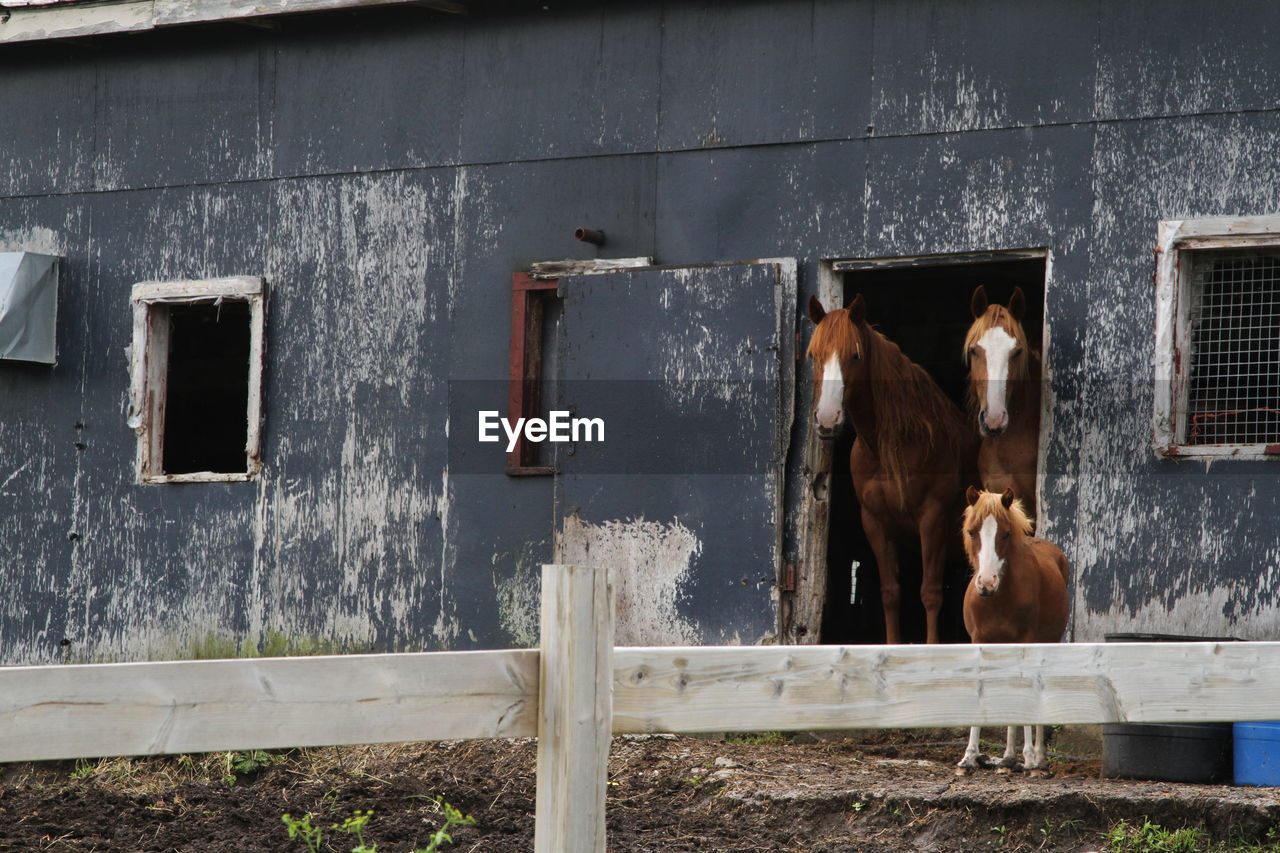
x: 578, y: 689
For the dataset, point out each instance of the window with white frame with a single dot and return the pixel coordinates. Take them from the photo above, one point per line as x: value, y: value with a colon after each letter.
x: 196, y: 394
x: 1218, y: 337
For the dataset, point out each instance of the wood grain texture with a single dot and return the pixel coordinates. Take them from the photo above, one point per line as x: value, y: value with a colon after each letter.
x: 574, y: 709
x: 54, y: 712
x: 832, y: 687
x: 37, y: 23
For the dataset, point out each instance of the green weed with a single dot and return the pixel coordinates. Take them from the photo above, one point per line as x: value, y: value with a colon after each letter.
x: 452, y: 818
x: 313, y: 836
x: 246, y: 762
x: 1125, y: 837
x: 310, y: 835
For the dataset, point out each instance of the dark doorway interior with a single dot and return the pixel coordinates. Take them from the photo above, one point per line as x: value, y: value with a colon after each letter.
x: 925, y: 310
x: 207, y: 391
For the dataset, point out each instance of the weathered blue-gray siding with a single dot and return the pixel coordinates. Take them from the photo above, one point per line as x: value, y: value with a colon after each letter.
x: 386, y: 172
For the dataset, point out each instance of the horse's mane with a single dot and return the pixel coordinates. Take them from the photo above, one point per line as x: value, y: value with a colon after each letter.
x: 834, y: 336
x: 992, y: 504
x: 910, y: 407
x: 998, y: 317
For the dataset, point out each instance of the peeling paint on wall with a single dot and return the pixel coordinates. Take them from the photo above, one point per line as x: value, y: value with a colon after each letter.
x: 517, y: 582
x: 649, y: 562
x: 44, y: 241
x: 388, y: 261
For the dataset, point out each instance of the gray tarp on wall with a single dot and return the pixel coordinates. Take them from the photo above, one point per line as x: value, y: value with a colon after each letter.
x: 28, y: 306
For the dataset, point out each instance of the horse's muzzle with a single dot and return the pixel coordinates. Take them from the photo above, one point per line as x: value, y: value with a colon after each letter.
x: 984, y: 430
x: 828, y: 433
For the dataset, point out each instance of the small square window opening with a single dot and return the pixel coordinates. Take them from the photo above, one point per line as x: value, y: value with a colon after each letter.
x: 1218, y: 338
x: 1234, y: 366
x: 197, y: 376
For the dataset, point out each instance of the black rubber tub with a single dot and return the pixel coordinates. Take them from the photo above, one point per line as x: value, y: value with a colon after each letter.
x: 1167, y: 752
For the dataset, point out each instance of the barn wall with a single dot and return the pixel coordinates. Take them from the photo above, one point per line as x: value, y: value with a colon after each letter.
x: 386, y: 172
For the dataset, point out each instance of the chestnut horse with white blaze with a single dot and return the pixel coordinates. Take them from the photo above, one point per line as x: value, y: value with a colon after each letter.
x: 1004, y: 392
x: 911, y: 458
x: 1018, y: 594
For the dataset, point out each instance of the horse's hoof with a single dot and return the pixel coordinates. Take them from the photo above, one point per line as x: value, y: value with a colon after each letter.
x: 1002, y: 770
x: 964, y: 771
x: 1039, y: 773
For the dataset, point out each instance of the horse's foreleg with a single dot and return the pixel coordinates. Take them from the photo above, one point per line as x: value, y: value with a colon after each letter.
x: 1009, y: 760
x: 933, y: 556
x: 971, y: 759
x: 1035, y: 754
x: 886, y: 552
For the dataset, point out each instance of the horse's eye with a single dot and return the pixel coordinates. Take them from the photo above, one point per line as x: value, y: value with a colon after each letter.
x: 973, y: 352
x: 1017, y: 351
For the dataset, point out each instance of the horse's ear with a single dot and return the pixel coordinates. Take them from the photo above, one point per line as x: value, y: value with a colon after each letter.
x: 978, y: 304
x: 1007, y: 498
x: 971, y: 495
x: 816, y: 311
x: 1017, y: 304
x: 858, y: 310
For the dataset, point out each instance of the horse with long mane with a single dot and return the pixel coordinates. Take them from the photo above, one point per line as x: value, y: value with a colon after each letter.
x: 1004, y: 393
x: 912, y: 455
x: 1018, y: 594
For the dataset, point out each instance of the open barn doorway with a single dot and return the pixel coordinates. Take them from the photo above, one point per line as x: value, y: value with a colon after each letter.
x: 922, y: 305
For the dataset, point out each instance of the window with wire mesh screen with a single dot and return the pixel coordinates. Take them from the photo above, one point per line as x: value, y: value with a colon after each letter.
x: 1233, y: 387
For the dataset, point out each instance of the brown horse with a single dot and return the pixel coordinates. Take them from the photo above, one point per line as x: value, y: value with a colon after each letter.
x: 1004, y: 392
x: 909, y: 455
x: 1018, y: 594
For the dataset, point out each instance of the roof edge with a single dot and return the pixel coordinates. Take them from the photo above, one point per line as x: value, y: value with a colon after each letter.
x: 78, y: 20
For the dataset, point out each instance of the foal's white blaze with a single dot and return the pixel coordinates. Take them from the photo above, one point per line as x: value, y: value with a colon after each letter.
x: 990, y: 566
x: 831, y: 396
x: 997, y: 344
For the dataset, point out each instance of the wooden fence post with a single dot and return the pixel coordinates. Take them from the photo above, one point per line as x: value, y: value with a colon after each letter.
x: 575, y: 709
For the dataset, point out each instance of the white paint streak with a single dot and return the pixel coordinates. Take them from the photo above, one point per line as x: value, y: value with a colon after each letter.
x: 990, y: 565
x: 831, y: 397
x: 519, y: 600
x: 650, y: 563
x: 998, y: 345
x: 44, y: 241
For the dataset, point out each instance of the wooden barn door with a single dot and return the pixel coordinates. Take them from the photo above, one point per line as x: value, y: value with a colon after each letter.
x: 692, y: 372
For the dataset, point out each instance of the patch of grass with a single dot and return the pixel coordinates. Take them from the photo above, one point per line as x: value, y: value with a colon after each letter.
x: 1269, y: 844
x: 1125, y: 837
x: 1049, y: 830
x: 1148, y: 837
x: 759, y: 738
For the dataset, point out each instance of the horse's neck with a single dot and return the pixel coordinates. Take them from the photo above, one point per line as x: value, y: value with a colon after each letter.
x: 864, y: 407
x: 1024, y: 397
x: 1019, y: 559
x: 862, y: 413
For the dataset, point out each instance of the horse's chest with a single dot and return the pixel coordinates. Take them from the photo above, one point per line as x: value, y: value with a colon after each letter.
x: 880, y: 496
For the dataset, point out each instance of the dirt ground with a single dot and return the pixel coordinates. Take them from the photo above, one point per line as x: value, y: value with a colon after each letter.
x: 875, y: 792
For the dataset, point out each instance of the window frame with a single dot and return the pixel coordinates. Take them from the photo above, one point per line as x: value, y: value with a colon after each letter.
x: 529, y: 297
x: 149, y: 362
x: 1172, y: 325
